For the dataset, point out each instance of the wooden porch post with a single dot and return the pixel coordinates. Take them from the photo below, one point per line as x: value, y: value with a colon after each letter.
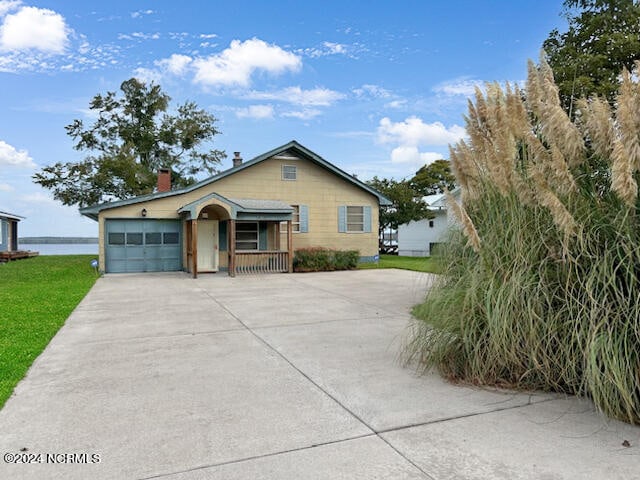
x: 277, y: 235
x: 232, y: 248
x: 290, y: 244
x: 194, y: 246
x: 188, y: 246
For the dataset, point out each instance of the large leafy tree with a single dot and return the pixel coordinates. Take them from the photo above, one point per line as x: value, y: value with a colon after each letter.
x: 434, y: 178
x: 132, y: 137
x: 603, y: 37
x: 407, y: 203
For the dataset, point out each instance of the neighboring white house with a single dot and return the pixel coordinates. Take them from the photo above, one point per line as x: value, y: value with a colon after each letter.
x: 416, y: 239
x: 9, y: 231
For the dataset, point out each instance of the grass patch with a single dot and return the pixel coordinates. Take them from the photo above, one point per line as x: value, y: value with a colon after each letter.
x: 417, y: 264
x: 37, y: 296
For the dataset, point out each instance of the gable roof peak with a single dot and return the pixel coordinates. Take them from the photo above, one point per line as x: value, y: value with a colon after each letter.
x: 92, y: 211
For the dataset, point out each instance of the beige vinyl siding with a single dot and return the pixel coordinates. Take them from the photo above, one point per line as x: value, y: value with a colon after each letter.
x: 317, y: 188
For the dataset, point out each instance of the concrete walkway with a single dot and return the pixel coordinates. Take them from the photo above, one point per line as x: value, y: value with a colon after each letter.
x: 280, y: 377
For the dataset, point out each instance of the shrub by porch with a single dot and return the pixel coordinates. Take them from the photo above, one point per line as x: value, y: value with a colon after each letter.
x: 318, y: 259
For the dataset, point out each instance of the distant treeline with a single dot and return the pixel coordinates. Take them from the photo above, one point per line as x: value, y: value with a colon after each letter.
x: 59, y: 240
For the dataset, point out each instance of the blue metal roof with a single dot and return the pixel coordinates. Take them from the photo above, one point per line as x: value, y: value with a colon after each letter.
x: 94, y: 210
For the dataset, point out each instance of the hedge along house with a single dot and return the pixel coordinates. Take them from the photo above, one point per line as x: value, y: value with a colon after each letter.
x: 9, y: 231
x: 250, y: 218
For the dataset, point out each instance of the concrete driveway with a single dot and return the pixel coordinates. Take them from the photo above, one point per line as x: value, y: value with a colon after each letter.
x: 279, y: 377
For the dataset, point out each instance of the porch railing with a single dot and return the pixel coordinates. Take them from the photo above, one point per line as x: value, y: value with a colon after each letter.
x: 269, y: 261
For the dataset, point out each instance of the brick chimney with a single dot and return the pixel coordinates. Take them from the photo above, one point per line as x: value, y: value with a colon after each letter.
x: 237, y: 159
x: 164, y: 180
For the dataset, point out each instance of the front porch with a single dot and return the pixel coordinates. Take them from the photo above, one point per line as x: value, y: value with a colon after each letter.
x: 239, y: 236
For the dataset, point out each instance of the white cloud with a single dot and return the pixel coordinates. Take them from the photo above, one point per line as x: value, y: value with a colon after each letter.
x: 176, y: 64
x: 8, y: 5
x: 34, y: 28
x: 255, y: 111
x: 332, y: 48
x: 374, y: 91
x: 236, y: 65
x: 413, y: 132
x: 327, y: 48
x: 139, y: 36
x: 298, y: 96
x: 409, y: 154
x: 208, y: 35
x: 10, y: 156
x: 146, y: 36
x: 463, y: 86
x: 140, y: 13
x: 396, y: 104
x: 5, y: 187
x: 148, y: 75
x: 305, y: 114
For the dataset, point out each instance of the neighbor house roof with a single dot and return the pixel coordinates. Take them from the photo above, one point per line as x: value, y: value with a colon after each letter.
x: 439, y: 201
x: 291, y: 147
x: 10, y: 216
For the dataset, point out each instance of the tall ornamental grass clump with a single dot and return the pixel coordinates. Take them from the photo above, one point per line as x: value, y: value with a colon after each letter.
x: 540, y: 286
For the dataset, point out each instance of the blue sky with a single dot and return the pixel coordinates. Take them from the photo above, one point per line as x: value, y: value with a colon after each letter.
x: 375, y: 87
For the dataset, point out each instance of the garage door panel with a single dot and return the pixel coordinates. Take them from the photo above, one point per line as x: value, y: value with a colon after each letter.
x: 145, y: 245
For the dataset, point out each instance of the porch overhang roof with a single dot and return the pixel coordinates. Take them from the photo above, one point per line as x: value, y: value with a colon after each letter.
x: 241, y: 208
x: 11, y: 216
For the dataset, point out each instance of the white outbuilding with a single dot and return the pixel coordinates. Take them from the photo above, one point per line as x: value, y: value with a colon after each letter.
x: 417, y: 238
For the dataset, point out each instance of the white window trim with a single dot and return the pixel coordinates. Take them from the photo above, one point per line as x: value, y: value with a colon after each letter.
x: 294, y: 215
x: 295, y: 171
x: 283, y: 225
x: 347, y: 219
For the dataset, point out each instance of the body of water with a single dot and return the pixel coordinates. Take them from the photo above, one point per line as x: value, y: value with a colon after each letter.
x: 61, y: 248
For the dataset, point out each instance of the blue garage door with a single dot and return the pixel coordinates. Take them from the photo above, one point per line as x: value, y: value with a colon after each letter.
x: 143, y: 246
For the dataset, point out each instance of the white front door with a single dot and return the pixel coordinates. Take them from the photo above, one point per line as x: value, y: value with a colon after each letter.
x: 207, y: 245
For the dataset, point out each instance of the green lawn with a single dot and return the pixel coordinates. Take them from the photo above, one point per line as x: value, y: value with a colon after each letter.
x: 36, y: 297
x: 419, y: 264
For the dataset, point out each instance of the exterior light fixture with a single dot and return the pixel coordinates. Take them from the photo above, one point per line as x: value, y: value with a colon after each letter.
x: 144, y: 212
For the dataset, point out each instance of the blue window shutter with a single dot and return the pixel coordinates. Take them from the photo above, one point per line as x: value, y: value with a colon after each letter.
x: 304, y: 218
x: 366, y: 210
x: 262, y: 232
x: 342, y: 218
x: 222, y: 236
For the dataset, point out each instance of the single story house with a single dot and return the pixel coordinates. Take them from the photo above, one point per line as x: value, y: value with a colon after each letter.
x: 9, y: 231
x: 249, y: 218
x: 417, y: 238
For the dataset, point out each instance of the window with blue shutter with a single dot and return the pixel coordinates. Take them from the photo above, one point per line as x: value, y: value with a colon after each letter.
x: 263, y: 236
x: 367, y: 219
x: 342, y: 218
x: 354, y: 219
x: 222, y: 236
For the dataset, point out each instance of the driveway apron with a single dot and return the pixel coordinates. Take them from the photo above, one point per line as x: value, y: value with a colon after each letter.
x: 279, y: 377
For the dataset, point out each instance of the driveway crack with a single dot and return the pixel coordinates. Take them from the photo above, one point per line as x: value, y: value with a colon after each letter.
x: 319, y: 387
